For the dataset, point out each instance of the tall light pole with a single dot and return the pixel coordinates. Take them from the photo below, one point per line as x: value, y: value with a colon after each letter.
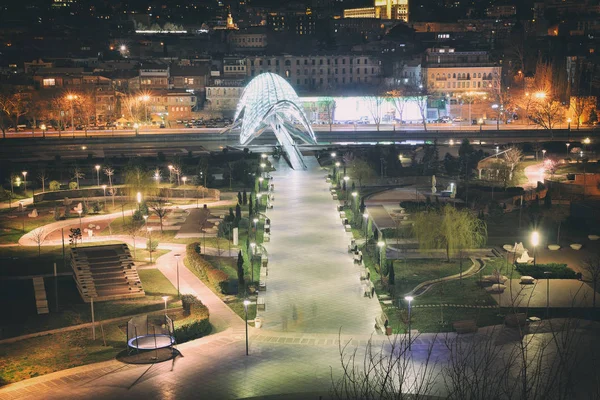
x: 354, y: 205
x: 246, y: 304
x: 22, y: 215
x: 184, y: 179
x: 98, y: 174
x: 409, y: 299
x: 150, y: 239
x: 165, y: 298
x: 43, y: 128
x: 381, y: 245
x: 25, y: 182
x: 139, y: 200
x: 170, y: 173
x: 497, y: 108
x: 104, y: 189
x: 80, y: 226
x: 547, y: 274
x: 337, y: 172
x: 71, y: 98
x: 366, y: 217
x: 567, y: 144
x: 177, y: 261
x: 260, y: 183
x: 346, y: 179
x: 569, y: 124
x: 136, y: 126
x: 255, y: 220
x: 252, y: 247
x: 543, y: 154
x: 262, y: 167
x: 145, y: 99
x: 535, y: 240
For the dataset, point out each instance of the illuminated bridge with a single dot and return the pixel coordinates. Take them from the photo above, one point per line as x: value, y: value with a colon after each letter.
x: 270, y: 102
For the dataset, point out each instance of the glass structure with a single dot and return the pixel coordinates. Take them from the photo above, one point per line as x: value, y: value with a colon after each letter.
x: 269, y: 101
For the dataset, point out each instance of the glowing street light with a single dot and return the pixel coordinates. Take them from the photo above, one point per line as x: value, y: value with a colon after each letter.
x: 139, y: 200
x: 337, y: 164
x: 333, y: 155
x: 255, y: 220
x: 586, y: 141
x: 165, y: 298
x: 136, y: 127
x: 104, y: 189
x: 535, y: 240
x: 569, y: 123
x: 25, y: 181
x: 146, y: 220
x: 177, y: 260
x: 543, y: 154
x: 98, y: 174
x: 567, y: 144
x: 246, y: 304
x: 71, y: 98
x: 540, y: 95
x: 43, y: 128
x: 409, y: 299
x: 366, y: 217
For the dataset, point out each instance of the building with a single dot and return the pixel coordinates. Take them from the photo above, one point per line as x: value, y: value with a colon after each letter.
x: 70, y: 79
x: 300, y: 23
x: 501, y: 11
x: 317, y: 72
x: 188, y: 78
x: 171, y: 105
x: 222, y: 95
x: 151, y: 77
x: 234, y: 67
x: 356, y: 30
x: 250, y: 39
x: 383, y: 9
x: 449, y: 72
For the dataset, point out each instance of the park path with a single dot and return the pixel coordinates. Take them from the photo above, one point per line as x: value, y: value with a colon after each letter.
x: 534, y: 173
x: 313, y: 284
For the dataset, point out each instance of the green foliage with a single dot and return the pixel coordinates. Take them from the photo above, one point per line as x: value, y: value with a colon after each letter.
x: 97, y: 207
x: 430, y: 159
x: 593, y: 116
x: 72, y: 185
x: 138, y: 216
x: 56, y: 214
x: 195, y: 260
x: 495, y: 211
x: 450, y: 164
x: 193, y: 330
x: 559, y: 271
x: 245, y: 198
x: 218, y: 279
x: 54, y: 186
x: 192, y: 305
x: 240, y: 269
x: 151, y: 245
x: 449, y: 229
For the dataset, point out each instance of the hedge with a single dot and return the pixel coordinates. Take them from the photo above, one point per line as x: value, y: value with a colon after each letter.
x: 193, y: 330
x: 217, y: 278
x: 559, y: 271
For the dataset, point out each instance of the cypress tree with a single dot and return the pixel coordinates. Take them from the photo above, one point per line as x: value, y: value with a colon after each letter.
x: 240, y: 269
x: 245, y: 198
x: 392, y: 275
x: 250, y: 207
x: 239, y: 197
x: 238, y: 212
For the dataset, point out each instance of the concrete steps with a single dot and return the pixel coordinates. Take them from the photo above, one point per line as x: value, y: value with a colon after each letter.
x: 40, y: 295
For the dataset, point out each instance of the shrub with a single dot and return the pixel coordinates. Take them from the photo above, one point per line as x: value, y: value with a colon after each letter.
x: 195, y: 260
x: 56, y: 214
x: 218, y: 279
x: 54, y: 185
x: 559, y: 271
x: 192, y: 305
x: 192, y: 330
x: 72, y: 185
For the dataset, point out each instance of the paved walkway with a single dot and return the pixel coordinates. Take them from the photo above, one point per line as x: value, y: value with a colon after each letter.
x: 313, y: 284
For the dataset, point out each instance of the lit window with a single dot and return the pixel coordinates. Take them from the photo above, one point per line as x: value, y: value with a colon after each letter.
x: 49, y: 82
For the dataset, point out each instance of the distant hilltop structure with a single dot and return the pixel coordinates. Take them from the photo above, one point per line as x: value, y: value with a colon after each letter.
x: 383, y: 9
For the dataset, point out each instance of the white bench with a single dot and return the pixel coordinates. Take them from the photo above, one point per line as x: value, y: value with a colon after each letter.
x: 260, y: 304
x: 262, y: 286
x: 335, y: 196
x: 527, y: 280
x: 381, y: 322
x: 348, y: 228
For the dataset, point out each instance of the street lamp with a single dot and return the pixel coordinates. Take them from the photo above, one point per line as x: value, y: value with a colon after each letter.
x: 333, y: 155
x: 569, y: 124
x: 25, y: 181
x: 543, y: 154
x: 354, y: 194
x: 480, y: 122
x: 104, y: 189
x: 22, y: 208
x: 346, y: 179
x: 139, y: 200
x: 43, y: 128
x: 71, y: 98
x: 366, y: 217
x: 145, y: 99
x: 246, y: 304
x: 381, y: 245
x: 535, y: 240
x: 146, y: 220
x: 170, y: 173
x: 260, y: 182
x: 497, y: 108
x: 80, y: 226
x: 409, y: 299
x: 262, y: 166
x: 165, y: 298
x: 567, y: 144
x: 263, y: 155
x: 177, y: 261
x: 98, y: 174
x: 136, y: 127
x: 255, y: 220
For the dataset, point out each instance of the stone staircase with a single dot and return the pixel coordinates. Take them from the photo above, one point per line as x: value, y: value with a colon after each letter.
x: 40, y: 295
x: 105, y: 273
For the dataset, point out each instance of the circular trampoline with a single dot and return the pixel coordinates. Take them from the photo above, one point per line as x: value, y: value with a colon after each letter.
x: 145, y: 333
x: 151, y: 342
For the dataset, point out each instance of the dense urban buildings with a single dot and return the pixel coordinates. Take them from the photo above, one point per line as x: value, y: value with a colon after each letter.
x: 304, y: 199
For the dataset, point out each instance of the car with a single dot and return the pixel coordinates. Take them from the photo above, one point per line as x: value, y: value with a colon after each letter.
x: 458, y: 119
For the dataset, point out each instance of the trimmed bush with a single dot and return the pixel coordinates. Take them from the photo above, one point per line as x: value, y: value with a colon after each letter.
x: 559, y: 271
x: 195, y: 260
x: 54, y: 185
x: 193, y: 330
x: 218, y: 279
x: 192, y: 305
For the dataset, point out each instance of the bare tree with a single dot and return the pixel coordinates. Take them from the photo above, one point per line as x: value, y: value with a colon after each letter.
x: 43, y: 176
x: 160, y: 209
x: 109, y: 172
x: 39, y: 237
x: 548, y: 114
x: 592, y: 266
x: 77, y: 175
x: 132, y: 230
x: 580, y: 106
x: 15, y: 106
x: 86, y: 105
x: 328, y: 105
x: 375, y: 107
x: 512, y: 156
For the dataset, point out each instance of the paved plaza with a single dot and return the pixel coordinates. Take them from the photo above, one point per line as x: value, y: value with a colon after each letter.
x: 313, y: 283
x: 564, y: 293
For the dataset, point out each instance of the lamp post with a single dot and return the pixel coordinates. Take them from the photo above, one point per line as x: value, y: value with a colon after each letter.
x: 366, y: 217
x: 170, y: 173
x: 184, y: 179
x: 409, y: 299
x: 381, y: 245
x: 98, y: 174
x: 43, y: 128
x: 255, y: 220
x: 569, y: 124
x: 177, y: 264
x: 263, y: 155
x: 547, y: 274
x: 260, y: 182
x: 262, y: 167
x: 139, y: 200
x: 354, y: 194
x: 337, y: 172
x: 246, y: 304
x: 497, y: 108
x: 145, y: 99
x: 146, y: 220
x: 136, y: 126
x: 104, y: 189
x: 22, y: 215
x: 71, y: 98
x: 165, y: 298
x: 567, y: 144
x: 346, y: 179
x: 543, y: 154
x: 25, y: 182
x: 535, y: 240
x: 80, y: 226
x: 333, y: 155
x: 157, y: 177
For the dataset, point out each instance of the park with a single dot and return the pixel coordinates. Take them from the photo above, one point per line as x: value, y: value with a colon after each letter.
x: 267, y: 265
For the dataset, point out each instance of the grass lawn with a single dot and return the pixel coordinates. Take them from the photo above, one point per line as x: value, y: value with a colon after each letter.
x: 411, y: 272
x: 572, y: 168
x: 12, y: 223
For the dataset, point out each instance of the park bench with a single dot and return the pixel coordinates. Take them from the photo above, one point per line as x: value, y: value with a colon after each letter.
x: 264, y: 271
x: 466, y: 326
x: 342, y: 214
x: 262, y: 286
x: 335, y: 196
x: 348, y: 228
x: 358, y: 257
x: 266, y: 237
x: 260, y: 304
x: 527, y: 280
